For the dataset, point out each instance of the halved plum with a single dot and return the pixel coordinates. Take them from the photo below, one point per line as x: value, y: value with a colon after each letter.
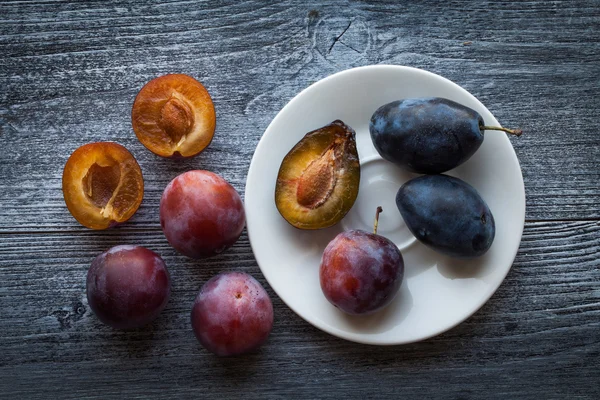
x: 102, y: 185
x: 318, y: 179
x: 173, y: 116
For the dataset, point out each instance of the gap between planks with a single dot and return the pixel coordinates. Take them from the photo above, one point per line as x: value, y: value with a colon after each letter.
x: 8, y: 232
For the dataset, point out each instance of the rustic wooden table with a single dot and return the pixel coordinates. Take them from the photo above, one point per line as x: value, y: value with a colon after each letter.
x: 69, y: 72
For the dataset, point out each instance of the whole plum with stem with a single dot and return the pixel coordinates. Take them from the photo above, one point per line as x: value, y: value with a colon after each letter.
x: 428, y: 135
x: 361, y: 272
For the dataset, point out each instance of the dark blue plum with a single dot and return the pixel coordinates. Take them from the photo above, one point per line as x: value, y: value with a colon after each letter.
x: 447, y: 214
x: 426, y: 135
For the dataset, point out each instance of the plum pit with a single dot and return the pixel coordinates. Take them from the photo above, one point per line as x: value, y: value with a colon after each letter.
x: 100, y: 183
x: 176, y: 119
x: 317, y: 182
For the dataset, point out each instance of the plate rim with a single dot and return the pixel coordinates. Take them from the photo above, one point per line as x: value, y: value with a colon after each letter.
x: 362, y: 338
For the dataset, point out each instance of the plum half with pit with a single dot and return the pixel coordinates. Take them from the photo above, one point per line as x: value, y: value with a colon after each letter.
x: 128, y: 286
x: 173, y: 116
x: 201, y: 214
x: 318, y: 179
x: 232, y: 314
x: 361, y: 272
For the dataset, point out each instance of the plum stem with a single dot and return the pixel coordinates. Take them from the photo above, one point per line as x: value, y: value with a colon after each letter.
x: 379, y: 211
x: 516, y: 132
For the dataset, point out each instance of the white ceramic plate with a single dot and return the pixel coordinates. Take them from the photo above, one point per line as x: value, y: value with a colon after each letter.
x: 437, y: 292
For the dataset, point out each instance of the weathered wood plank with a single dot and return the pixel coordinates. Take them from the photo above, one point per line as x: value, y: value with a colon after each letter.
x: 542, y: 320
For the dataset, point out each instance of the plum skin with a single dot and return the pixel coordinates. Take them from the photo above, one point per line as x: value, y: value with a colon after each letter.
x: 361, y: 272
x: 201, y: 214
x: 232, y: 314
x: 128, y: 286
x: 447, y: 214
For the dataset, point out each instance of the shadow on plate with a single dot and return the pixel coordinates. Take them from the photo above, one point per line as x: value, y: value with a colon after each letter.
x: 465, y: 268
x: 418, y: 259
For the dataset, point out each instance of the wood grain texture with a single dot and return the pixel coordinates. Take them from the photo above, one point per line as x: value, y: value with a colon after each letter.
x: 69, y: 71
